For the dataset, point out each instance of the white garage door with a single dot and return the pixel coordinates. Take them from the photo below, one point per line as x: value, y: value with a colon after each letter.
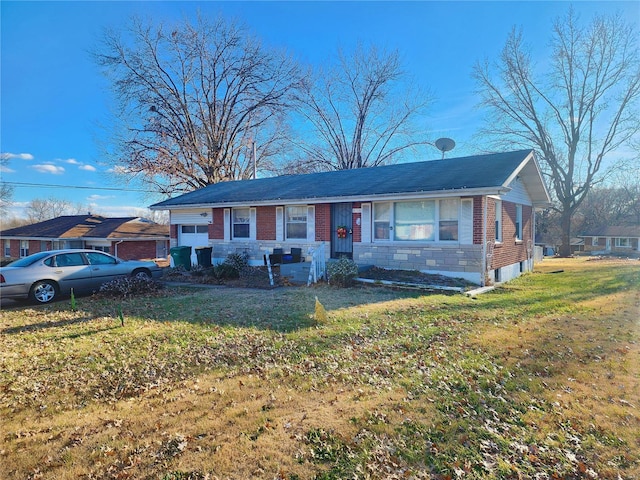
x: 193, y: 236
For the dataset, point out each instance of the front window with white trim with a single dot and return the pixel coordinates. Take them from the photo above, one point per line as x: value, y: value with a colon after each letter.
x: 7, y: 248
x: 448, y: 219
x: 241, y: 219
x: 498, y: 221
x: 595, y: 241
x: 296, y: 222
x: 518, y: 222
x: 417, y: 221
x: 381, y: 220
x: 24, y: 248
x: 623, y: 242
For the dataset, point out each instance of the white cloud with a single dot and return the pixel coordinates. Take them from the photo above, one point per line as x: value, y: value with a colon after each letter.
x: 95, y: 198
x: 4, y: 169
x: 119, y: 169
x: 72, y: 161
x: 88, y: 168
x: 20, y: 156
x: 48, y: 168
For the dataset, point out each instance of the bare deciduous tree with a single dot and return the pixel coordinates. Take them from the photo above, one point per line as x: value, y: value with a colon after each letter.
x: 192, y: 100
x: 361, y: 112
x: 6, y: 191
x: 577, y: 111
x: 39, y: 210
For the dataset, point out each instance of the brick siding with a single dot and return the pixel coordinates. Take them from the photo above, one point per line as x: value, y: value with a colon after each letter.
x: 216, y: 229
x: 266, y: 223
x: 323, y: 222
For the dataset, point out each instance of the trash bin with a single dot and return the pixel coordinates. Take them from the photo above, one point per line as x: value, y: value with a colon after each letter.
x: 181, y: 256
x: 204, y: 256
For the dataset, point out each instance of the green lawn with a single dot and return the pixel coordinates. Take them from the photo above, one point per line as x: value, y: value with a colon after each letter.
x: 537, y: 379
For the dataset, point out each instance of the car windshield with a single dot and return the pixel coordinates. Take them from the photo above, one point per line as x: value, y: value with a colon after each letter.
x: 30, y: 260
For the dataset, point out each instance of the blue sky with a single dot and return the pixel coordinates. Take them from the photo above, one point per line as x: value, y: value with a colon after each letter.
x: 54, y: 101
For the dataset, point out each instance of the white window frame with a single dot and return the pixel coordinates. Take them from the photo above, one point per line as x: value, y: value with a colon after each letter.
x: 378, y: 221
x: 7, y: 248
x: 498, y: 221
x: 295, y: 220
x: 595, y: 241
x: 519, y: 229
x: 620, y: 244
x: 235, y: 221
x: 24, y: 248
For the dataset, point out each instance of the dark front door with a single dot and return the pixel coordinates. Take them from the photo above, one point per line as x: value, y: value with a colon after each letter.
x: 341, y: 230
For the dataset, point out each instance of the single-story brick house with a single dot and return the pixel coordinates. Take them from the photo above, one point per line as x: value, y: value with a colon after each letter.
x: 613, y: 239
x: 127, y: 237
x: 470, y: 217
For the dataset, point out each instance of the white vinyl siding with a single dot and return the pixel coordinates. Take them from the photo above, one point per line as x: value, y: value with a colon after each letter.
x: 191, y: 217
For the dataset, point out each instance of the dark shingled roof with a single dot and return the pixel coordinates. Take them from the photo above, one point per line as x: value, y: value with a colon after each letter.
x: 475, y: 172
x: 623, y: 231
x: 89, y: 226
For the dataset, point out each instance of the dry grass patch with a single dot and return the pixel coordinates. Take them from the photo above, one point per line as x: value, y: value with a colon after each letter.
x: 538, y: 379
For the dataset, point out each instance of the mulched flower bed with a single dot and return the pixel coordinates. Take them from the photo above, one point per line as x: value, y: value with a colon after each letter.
x: 415, y: 277
x: 251, y: 277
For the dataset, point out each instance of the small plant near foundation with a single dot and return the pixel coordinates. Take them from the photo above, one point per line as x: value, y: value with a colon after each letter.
x: 343, y: 272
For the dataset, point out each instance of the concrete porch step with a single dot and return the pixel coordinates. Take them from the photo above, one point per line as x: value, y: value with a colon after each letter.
x: 296, y: 272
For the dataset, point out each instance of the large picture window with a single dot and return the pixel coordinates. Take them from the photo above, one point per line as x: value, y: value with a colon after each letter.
x: 623, y: 242
x: 417, y: 221
x: 240, y: 222
x: 296, y: 222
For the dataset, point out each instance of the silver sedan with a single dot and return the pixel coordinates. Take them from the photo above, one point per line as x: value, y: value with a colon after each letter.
x: 44, y: 276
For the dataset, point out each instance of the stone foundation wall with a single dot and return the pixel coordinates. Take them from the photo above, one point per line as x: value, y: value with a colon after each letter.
x: 453, y: 260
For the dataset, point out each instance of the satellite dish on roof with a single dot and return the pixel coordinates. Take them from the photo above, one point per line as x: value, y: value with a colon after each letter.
x: 444, y: 145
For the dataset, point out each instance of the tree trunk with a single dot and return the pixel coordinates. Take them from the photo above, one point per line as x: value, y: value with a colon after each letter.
x: 565, y: 225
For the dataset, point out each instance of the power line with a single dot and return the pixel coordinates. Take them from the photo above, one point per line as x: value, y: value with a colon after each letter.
x: 78, y: 187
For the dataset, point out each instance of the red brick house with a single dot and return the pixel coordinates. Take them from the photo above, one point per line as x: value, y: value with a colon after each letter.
x: 470, y: 217
x: 128, y: 238
x: 621, y: 239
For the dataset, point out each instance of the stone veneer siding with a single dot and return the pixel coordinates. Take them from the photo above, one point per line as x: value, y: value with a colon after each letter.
x: 441, y: 258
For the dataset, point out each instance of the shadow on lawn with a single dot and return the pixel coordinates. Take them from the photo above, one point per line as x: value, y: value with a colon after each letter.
x: 57, y: 324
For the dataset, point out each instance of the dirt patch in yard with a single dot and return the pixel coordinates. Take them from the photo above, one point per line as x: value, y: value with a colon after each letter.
x: 415, y: 277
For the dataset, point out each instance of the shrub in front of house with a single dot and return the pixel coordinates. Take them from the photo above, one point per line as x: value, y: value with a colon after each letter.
x: 342, y: 272
x: 124, y: 287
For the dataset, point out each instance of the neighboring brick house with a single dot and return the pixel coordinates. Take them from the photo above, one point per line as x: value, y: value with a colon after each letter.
x: 128, y: 238
x: 470, y: 217
x: 614, y: 239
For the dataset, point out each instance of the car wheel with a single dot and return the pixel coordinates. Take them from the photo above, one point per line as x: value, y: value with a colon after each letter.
x: 44, y: 291
x: 143, y: 274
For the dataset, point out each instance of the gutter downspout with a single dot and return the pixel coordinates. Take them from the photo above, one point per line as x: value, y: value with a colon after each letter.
x: 485, y: 207
x: 115, y: 248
